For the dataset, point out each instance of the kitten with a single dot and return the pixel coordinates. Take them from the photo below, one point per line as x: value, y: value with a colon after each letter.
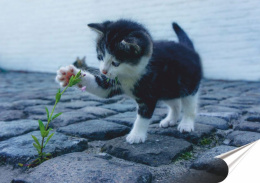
x: 147, y: 71
x: 81, y: 64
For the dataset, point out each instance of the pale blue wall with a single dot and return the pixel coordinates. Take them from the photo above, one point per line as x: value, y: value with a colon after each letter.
x: 43, y: 35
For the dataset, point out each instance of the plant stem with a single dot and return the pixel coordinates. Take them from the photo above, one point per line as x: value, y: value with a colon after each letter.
x: 49, y: 120
x: 64, y: 89
x: 44, y: 133
x: 42, y: 145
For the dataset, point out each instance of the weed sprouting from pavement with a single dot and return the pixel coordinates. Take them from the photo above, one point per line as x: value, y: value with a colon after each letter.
x: 45, y: 129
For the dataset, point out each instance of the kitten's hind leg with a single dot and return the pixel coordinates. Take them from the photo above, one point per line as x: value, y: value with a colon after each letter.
x: 189, y: 107
x: 173, y: 114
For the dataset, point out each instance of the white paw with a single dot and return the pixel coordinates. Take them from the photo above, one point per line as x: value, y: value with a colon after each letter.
x: 135, y: 138
x: 64, y: 74
x: 166, y: 123
x: 186, y: 127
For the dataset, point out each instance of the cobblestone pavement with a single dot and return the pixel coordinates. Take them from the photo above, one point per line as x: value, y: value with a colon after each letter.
x: 89, y: 142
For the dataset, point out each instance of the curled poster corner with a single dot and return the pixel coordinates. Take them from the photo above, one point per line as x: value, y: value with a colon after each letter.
x: 216, y: 170
x: 242, y: 163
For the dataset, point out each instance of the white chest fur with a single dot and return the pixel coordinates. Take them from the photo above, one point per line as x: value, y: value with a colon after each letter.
x: 132, y: 75
x: 128, y: 86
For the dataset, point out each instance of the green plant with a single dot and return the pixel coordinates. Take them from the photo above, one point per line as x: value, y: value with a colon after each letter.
x: 186, y: 156
x: 205, y: 141
x: 45, y: 129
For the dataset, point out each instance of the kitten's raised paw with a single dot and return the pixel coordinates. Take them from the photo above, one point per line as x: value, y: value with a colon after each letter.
x: 64, y: 74
x: 166, y: 123
x: 133, y: 138
x: 186, y: 127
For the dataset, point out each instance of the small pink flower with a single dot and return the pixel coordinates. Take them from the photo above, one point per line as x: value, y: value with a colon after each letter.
x: 83, y: 88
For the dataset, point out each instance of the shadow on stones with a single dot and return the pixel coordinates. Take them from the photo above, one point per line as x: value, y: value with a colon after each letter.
x: 216, y: 172
x: 219, y: 168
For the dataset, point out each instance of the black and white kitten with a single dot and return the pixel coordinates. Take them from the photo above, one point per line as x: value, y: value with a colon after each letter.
x: 147, y: 71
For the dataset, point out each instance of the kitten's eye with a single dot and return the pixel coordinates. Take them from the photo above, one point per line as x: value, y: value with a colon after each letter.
x: 100, y: 57
x: 116, y: 64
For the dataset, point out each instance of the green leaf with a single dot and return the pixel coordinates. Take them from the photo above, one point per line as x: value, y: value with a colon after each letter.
x: 47, y: 111
x: 56, y: 115
x: 50, y: 129
x: 58, y: 95
x: 42, y: 128
x: 48, y: 139
x: 46, y: 133
x: 37, y: 147
x: 36, y: 140
x: 78, y: 74
x: 20, y: 164
x: 75, y: 81
x: 70, y: 81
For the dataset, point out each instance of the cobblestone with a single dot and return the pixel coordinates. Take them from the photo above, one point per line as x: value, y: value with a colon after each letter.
x: 71, y: 117
x: 214, y: 121
x: 10, y: 115
x: 21, y: 104
x: 200, y: 132
x: 20, y: 150
x: 157, y: 150
x: 95, y: 130
x: 248, y: 126
x: 84, y: 168
x: 240, y: 138
x: 15, y: 128
x: 98, y: 111
x: 128, y: 118
x: 228, y: 110
x: 119, y: 108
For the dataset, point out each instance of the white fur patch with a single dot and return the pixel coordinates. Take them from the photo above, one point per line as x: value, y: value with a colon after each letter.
x: 92, y: 87
x: 168, y: 121
x: 88, y: 80
x: 173, y: 114
x: 189, y: 107
x: 139, y: 132
x: 129, y: 75
x: 187, y: 125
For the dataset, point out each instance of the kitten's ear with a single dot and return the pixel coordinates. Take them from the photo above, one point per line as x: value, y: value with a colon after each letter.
x: 131, y: 45
x: 99, y: 28
x: 84, y: 58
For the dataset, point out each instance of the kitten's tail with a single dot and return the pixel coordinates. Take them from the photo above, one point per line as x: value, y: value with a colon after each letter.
x: 182, y: 36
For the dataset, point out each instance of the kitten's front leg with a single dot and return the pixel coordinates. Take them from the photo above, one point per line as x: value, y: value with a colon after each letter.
x: 94, y: 84
x: 138, y: 133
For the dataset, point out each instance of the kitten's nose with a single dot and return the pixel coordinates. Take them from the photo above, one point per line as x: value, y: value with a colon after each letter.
x: 104, y: 71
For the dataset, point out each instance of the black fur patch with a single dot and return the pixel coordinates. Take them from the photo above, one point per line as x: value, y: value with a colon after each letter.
x: 173, y: 72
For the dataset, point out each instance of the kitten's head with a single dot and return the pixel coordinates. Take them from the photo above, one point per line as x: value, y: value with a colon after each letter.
x: 123, y: 48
